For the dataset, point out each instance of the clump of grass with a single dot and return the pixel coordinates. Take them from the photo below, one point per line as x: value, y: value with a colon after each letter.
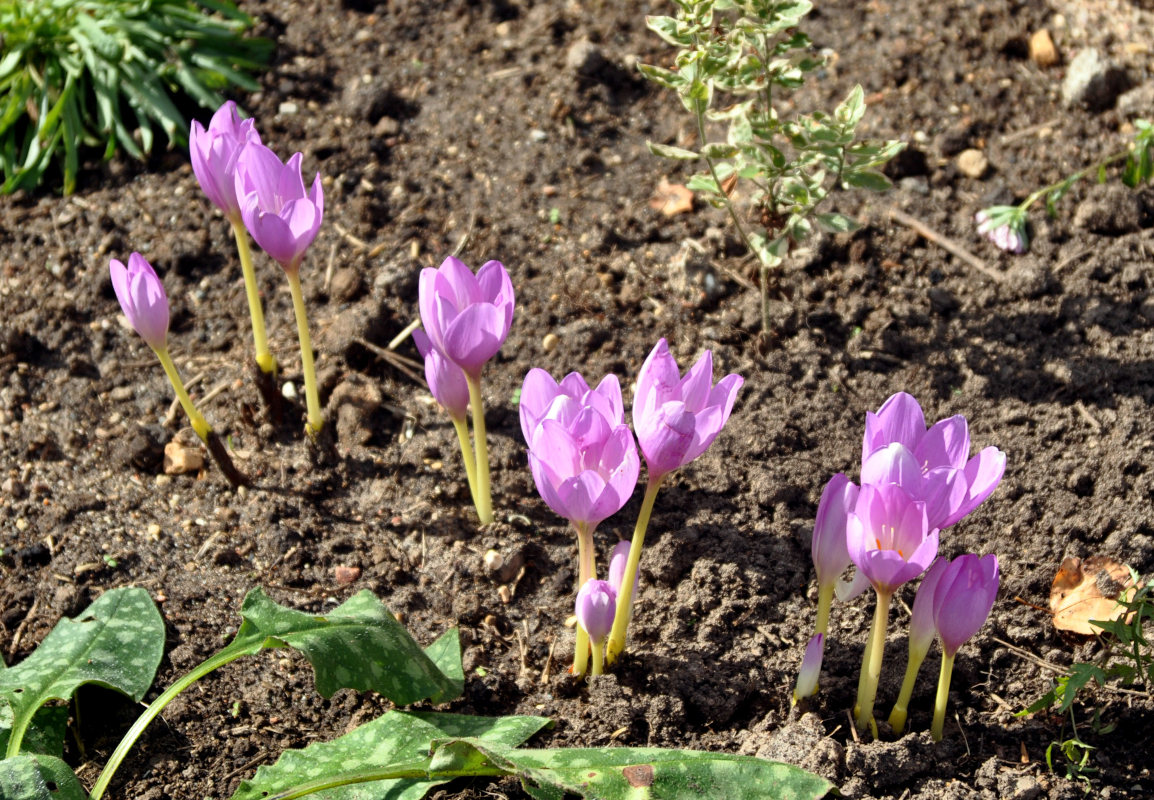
x: 92, y: 73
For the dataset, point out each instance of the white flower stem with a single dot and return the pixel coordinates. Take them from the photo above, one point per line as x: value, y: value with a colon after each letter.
x: 484, y: 497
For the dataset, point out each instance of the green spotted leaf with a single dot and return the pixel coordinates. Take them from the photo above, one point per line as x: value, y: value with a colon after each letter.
x: 116, y: 642
x: 636, y: 773
x: 358, y: 645
x: 400, y: 742
x: 38, y: 777
x: 45, y: 734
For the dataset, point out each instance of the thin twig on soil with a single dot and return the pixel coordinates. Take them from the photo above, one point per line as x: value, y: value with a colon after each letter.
x: 405, y: 365
x: 174, y: 407
x: 1029, y: 130
x: 16, y: 637
x: 949, y: 245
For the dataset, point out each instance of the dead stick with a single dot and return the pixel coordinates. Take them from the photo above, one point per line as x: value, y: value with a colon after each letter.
x: 220, y: 455
x: 930, y: 235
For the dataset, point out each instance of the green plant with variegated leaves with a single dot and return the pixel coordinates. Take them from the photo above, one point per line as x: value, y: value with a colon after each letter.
x: 736, y: 59
x: 402, y: 755
x: 106, y: 73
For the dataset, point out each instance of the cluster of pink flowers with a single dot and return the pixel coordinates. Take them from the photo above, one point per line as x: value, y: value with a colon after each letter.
x: 256, y: 190
x: 585, y: 463
x: 915, y: 482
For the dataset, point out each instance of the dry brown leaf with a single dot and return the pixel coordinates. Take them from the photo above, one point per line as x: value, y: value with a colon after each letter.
x: 671, y: 199
x: 1086, y: 590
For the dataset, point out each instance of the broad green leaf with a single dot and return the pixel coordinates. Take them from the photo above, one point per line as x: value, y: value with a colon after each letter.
x: 837, y: 223
x: 116, y: 642
x: 38, y: 777
x: 635, y: 773
x: 45, y: 735
x: 398, y: 738
x: 868, y: 179
x: 358, y: 645
x: 669, y: 29
x: 663, y: 77
x: 669, y: 151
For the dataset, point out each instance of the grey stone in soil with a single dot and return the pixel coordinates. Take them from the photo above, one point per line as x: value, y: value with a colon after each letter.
x: 1093, y: 81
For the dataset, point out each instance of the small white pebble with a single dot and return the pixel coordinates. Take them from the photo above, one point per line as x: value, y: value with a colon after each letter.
x: 289, y: 391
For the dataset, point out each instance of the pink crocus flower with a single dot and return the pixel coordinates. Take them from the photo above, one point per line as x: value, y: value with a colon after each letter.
x: 678, y: 418
x: 542, y: 397
x: 142, y: 299
x: 933, y: 464
x: 467, y: 316
x: 280, y: 214
x: 888, y: 536
x: 596, y: 605
x: 963, y: 598
x: 214, y: 151
x: 585, y: 471
x: 446, y: 380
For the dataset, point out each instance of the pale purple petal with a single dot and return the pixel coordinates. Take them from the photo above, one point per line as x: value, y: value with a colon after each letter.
x: 828, y: 548
x: 900, y: 419
x: 810, y: 668
x: 474, y: 337
x: 537, y: 394
x: 922, y: 628
x: 672, y: 436
x: 142, y: 298
x: 893, y: 464
x: 457, y: 281
x: 698, y: 382
x: 446, y: 380
x: 617, y: 561
x: 945, y: 444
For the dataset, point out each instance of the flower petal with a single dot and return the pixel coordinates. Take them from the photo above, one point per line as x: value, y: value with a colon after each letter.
x: 474, y: 337
x: 900, y: 419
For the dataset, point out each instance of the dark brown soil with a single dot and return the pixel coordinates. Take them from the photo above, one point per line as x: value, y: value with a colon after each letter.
x: 475, y: 128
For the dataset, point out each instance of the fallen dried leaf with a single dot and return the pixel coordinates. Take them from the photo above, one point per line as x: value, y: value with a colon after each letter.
x: 671, y: 199
x: 1086, y: 590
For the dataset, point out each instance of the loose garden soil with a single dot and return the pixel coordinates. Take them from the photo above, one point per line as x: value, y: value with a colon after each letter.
x: 515, y: 130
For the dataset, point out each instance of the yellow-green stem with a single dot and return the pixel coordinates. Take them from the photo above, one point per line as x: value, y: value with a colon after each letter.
x: 943, y: 697
x: 598, y: 658
x: 616, y: 645
x: 824, y: 601
x: 264, y: 357
x: 213, y: 662
x: 871, y: 668
x: 316, y: 420
x: 901, y: 707
x: 586, y: 570
x: 198, y: 422
x: 484, y: 498
x: 467, y: 455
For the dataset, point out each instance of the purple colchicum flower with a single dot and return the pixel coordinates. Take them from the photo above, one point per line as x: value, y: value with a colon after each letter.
x: 586, y: 471
x: 542, y: 397
x: 810, y: 668
x: 281, y: 216
x: 678, y: 418
x: 467, y: 316
x: 142, y: 299
x: 931, y: 465
x: 889, y: 538
x: 214, y: 151
x: 596, y: 605
x: 446, y: 380
x: 963, y: 598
